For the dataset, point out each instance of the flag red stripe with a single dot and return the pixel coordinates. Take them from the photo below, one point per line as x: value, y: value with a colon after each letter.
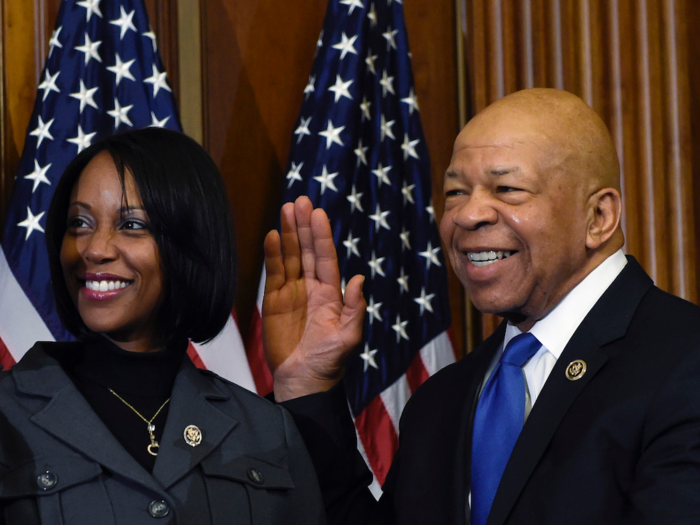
x: 6, y: 359
x: 416, y: 373
x: 378, y: 436
x: 256, y: 357
x: 194, y: 356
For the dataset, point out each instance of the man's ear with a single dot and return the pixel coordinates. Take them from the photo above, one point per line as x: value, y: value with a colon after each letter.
x: 605, y: 213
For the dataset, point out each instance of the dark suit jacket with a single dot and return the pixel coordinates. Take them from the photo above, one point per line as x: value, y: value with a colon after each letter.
x: 619, y: 445
x: 250, y: 468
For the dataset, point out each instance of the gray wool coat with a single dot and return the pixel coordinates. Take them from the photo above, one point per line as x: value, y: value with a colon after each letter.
x: 60, y: 465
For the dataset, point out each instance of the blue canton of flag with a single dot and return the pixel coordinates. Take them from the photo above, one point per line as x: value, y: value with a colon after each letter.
x: 103, y: 75
x: 358, y: 152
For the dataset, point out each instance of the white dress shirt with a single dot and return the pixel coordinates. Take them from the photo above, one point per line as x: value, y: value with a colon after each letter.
x: 556, y: 328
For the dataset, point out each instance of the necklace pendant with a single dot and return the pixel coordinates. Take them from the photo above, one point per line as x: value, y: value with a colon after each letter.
x: 151, y: 427
x: 153, y: 448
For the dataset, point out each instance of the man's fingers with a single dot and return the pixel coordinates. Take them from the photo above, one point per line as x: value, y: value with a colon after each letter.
x: 326, y: 259
x: 274, y: 266
x: 290, y: 243
x: 303, y: 210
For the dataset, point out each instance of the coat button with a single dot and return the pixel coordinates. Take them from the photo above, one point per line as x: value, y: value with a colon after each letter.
x: 158, y: 509
x: 255, y: 476
x: 47, y: 480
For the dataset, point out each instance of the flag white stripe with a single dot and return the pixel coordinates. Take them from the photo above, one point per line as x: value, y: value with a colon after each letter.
x: 226, y: 356
x: 21, y: 326
x: 438, y: 353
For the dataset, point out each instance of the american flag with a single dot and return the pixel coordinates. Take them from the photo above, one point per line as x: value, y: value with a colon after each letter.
x: 103, y: 75
x: 358, y: 152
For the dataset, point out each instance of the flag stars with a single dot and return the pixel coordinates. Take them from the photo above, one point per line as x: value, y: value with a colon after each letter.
x: 303, y: 128
x: 409, y: 147
x: 319, y: 42
x: 159, y: 80
x: 430, y: 255
x: 92, y: 6
x: 294, y: 173
x: 124, y: 22
x: 326, y: 180
x: 403, y: 281
x: 365, y: 106
x: 411, y: 101
x: 120, y: 114
x: 385, y: 129
x: 354, y: 200
x: 375, y: 263
x: 345, y: 45
x: 38, y: 175
x: 55, y: 42
x: 382, y: 173
x: 387, y: 84
x: 407, y: 192
x: 89, y: 48
x: 372, y: 15
x: 85, y: 96
x: 431, y: 212
x: 373, y: 311
x: 332, y: 134
x: 340, y: 88
x: 405, y: 241
x: 361, y: 153
x: 390, y: 37
x: 379, y: 218
x: 424, y: 301
x: 368, y: 358
x: 310, y: 86
x: 42, y: 131
x: 82, y: 140
x: 49, y: 84
x: 31, y: 223
x: 155, y: 123
x: 400, y: 328
x: 352, y: 4
x: 351, y: 244
x: 122, y: 69
x: 150, y: 34
x: 369, y: 60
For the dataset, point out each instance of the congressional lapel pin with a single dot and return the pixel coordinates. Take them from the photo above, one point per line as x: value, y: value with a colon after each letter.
x: 575, y: 370
x: 192, y: 435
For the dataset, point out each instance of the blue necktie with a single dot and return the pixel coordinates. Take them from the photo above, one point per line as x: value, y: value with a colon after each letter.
x: 498, y: 421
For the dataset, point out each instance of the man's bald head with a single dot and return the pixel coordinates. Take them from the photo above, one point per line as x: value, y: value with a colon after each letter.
x: 574, y: 134
x: 532, y: 202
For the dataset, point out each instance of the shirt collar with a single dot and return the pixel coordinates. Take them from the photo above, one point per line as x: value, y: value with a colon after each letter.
x: 556, y: 328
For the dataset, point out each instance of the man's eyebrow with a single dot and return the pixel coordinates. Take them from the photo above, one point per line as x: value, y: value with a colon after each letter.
x: 497, y: 172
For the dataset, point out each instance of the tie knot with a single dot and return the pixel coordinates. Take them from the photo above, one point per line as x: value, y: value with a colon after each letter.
x: 521, y: 348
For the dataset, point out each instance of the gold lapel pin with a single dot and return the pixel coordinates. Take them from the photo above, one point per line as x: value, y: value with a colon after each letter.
x: 192, y: 435
x: 575, y: 370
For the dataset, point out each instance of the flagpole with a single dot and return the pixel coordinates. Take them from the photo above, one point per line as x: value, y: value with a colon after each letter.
x: 190, y: 67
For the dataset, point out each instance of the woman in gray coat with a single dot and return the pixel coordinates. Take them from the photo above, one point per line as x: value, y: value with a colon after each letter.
x: 119, y: 427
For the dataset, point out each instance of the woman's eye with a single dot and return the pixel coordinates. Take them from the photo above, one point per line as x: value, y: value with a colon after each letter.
x: 133, y: 224
x: 76, y: 222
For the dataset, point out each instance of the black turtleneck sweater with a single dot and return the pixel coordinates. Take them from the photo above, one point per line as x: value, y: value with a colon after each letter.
x: 144, y: 380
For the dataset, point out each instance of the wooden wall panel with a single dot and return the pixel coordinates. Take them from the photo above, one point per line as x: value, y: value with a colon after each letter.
x: 257, y: 56
x: 629, y: 60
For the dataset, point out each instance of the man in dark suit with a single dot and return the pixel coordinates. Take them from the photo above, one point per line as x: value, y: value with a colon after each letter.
x: 607, y: 409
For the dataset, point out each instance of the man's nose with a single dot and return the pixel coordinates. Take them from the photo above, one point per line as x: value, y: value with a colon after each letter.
x: 476, y: 211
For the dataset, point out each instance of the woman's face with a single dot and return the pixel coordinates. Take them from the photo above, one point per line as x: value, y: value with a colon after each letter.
x: 110, y: 259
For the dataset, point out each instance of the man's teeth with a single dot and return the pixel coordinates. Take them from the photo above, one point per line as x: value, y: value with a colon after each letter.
x: 105, y: 286
x: 485, y: 258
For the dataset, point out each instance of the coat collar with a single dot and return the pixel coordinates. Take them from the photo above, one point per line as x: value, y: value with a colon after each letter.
x: 608, y: 321
x: 68, y: 417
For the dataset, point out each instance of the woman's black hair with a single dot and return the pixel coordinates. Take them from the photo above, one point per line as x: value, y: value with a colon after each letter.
x: 190, y: 218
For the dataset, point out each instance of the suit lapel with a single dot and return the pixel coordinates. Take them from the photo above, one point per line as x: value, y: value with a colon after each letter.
x: 191, y: 404
x: 607, y: 321
x: 68, y: 417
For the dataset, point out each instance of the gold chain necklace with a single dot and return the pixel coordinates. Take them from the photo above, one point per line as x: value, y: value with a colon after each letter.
x: 151, y: 427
